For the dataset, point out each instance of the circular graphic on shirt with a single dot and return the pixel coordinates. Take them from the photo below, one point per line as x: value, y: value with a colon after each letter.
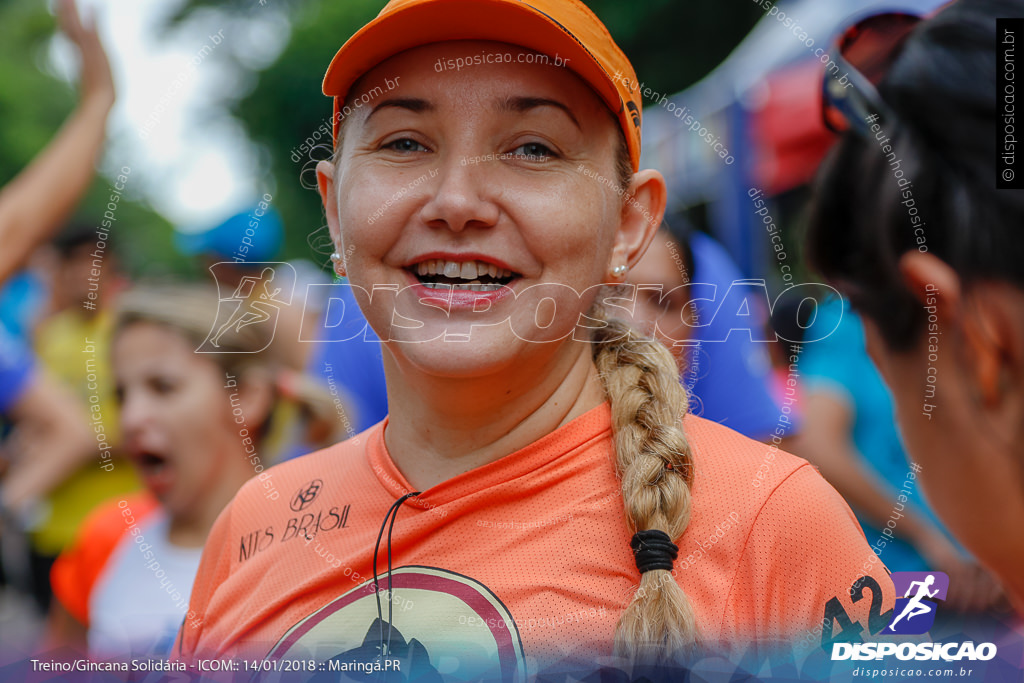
x: 438, y: 625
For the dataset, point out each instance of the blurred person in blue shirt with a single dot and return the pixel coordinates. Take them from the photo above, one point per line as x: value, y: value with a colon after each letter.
x: 726, y: 370
x: 349, y: 358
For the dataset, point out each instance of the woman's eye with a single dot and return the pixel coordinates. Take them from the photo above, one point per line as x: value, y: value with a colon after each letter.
x: 405, y: 145
x: 534, y: 151
x: 163, y: 385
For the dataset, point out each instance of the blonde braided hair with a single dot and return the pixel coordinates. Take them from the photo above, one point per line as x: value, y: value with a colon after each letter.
x: 655, y: 463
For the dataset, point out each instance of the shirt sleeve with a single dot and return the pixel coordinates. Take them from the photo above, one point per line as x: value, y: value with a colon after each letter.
x: 807, y: 573
x: 200, y: 626
x: 834, y: 364
x: 77, y: 570
x: 74, y: 574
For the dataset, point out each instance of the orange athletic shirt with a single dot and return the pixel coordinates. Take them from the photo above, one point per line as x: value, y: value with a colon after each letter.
x: 527, y: 556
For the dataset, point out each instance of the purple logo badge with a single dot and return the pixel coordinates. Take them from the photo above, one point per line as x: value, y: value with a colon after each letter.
x: 915, y: 610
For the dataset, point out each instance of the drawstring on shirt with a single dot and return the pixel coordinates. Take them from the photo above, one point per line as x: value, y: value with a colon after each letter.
x: 392, y: 515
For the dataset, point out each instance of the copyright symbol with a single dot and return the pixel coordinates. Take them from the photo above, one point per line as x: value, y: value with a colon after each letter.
x: 1007, y: 174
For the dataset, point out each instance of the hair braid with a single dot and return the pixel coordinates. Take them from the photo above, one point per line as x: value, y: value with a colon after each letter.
x: 641, y: 380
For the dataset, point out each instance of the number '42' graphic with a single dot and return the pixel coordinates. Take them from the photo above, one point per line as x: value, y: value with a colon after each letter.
x: 850, y: 631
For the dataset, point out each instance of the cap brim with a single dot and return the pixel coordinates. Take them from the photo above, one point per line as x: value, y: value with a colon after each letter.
x: 421, y: 24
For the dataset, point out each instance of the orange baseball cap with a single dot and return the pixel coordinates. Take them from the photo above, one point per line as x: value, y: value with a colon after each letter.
x: 566, y: 28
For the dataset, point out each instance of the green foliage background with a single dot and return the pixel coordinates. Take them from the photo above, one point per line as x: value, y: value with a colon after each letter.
x: 33, y: 104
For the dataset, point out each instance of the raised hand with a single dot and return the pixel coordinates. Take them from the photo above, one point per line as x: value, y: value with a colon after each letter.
x: 96, y: 78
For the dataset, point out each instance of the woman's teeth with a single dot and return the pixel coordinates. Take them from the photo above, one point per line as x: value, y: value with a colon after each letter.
x: 467, y: 270
x: 466, y: 275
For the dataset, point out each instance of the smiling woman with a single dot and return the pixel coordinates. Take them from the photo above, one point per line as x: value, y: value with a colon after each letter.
x: 536, y: 449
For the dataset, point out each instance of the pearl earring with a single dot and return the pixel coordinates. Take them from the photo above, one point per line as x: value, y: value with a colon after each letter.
x: 339, y: 267
x: 619, y: 271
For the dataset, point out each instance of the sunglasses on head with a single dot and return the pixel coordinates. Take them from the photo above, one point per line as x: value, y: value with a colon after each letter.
x: 863, y: 54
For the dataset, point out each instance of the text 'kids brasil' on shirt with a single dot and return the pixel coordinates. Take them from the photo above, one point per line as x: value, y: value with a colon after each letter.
x: 525, y: 557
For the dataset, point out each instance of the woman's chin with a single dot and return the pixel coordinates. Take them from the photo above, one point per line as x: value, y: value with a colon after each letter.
x: 457, y: 359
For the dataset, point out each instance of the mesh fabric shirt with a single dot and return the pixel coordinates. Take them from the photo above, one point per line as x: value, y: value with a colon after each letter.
x: 525, y: 557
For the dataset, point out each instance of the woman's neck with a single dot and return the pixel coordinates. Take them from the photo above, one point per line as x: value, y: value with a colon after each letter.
x: 189, y: 528
x: 440, y: 427
x: 188, y: 532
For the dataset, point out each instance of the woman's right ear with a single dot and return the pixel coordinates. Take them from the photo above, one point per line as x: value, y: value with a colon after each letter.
x: 325, y: 184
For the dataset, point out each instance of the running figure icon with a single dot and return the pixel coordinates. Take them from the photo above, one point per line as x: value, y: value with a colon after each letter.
x: 915, y: 607
x: 251, y: 309
x: 915, y: 611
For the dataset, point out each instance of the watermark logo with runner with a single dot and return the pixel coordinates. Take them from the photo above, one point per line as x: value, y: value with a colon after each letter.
x: 252, y: 298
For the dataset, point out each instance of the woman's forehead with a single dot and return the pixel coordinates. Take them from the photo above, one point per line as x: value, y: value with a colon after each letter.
x: 456, y: 72
x: 153, y: 340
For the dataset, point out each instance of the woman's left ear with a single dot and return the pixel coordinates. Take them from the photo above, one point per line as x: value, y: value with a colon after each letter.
x: 642, y: 211
x: 325, y: 185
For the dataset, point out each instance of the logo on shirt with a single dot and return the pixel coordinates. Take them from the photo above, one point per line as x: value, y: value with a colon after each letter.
x: 305, y: 526
x: 915, y: 611
x: 433, y: 621
x: 306, y: 495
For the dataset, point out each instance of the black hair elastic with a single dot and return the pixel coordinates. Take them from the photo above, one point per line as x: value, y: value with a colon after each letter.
x: 653, y: 549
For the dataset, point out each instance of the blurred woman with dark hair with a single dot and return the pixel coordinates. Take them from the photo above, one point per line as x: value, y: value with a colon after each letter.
x: 908, y: 224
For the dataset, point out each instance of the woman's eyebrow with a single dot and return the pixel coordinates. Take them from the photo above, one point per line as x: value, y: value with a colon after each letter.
x: 413, y: 104
x: 521, y: 105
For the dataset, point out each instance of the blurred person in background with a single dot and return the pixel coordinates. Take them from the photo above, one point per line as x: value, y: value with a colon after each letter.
x: 25, y: 296
x: 238, y: 252
x: 941, y: 296
x: 46, y: 434
x: 194, y: 427
x: 74, y: 344
x: 728, y: 374
x: 348, y: 358
x: 850, y: 434
x: 243, y: 245
x: 49, y: 430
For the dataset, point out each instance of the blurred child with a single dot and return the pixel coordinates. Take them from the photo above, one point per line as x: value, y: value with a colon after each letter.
x: 73, y: 344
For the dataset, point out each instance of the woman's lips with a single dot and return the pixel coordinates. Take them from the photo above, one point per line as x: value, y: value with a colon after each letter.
x: 458, y: 258
x: 156, y: 471
x: 459, y: 297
